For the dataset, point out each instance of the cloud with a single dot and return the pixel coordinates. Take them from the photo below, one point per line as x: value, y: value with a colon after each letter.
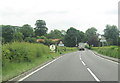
x: 112, y: 12
x: 60, y: 14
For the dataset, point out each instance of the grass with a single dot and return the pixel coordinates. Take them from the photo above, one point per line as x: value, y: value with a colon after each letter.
x: 111, y: 51
x: 36, y: 54
x: 14, y: 69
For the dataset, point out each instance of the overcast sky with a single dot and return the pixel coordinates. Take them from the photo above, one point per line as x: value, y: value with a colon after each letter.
x: 60, y: 14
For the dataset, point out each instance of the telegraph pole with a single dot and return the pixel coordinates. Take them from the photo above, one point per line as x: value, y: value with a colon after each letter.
x: 76, y: 41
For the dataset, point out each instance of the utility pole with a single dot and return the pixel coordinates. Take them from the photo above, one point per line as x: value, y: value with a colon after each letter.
x: 76, y: 41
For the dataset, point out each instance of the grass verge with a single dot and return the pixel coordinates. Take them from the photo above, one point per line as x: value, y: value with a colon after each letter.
x: 111, y: 51
x: 14, y: 69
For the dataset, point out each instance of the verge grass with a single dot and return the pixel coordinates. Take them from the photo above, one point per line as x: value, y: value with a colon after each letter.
x: 18, y: 58
x: 13, y: 69
x: 111, y: 51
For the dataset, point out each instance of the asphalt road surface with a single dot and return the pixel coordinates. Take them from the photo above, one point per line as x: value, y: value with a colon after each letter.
x: 76, y: 66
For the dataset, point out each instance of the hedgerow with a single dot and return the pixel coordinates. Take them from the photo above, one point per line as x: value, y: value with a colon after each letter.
x: 22, y: 52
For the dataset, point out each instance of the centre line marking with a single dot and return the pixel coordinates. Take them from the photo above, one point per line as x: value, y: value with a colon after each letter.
x: 83, y: 63
x: 93, y: 75
x: 80, y: 58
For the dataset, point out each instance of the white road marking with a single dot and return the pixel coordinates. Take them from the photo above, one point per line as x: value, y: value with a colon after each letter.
x: 38, y: 69
x: 93, y: 75
x: 83, y: 63
x: 105, y: 59
x: 80, y: 58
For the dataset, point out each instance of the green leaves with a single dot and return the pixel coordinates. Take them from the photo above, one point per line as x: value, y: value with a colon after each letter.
x: 73, y: 37
x: 40, y: 28
x: 26, y: 30
x: 22, y: 52
x: 16, y: 33
x: 111, y: 33
x: 17, y: 36
x: 7, y: 32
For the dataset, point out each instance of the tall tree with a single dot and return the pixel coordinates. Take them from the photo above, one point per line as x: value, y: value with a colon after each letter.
x: 40, y: 28
x: 91, y: 32
x: 7, y: 32
x: 26, y: 30
x: 73, y: 37
x: 91, y: 35
x: 111, y: 33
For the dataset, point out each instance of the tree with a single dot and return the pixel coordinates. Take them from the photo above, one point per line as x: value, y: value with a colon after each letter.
x: 7, y: 32
x: 91, y: 32
x: 26, y: 30
x: 111, y: 34
x: 55, y: 34
x: 93, y: 40
x: 92, y: 37
x: 73, y: 37
x: 17, y: 36
x: 40, y: 28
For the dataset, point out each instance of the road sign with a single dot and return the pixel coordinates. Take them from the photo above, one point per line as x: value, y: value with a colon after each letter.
x: 102, y: 40
x: 61, y: 44
x: 52, y: 48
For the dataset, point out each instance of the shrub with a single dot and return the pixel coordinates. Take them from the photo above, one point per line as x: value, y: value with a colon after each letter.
x: 30, y: 40
x: 22, y: 51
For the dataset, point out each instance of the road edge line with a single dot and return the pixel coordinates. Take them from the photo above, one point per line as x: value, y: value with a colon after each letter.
x: 102, y: 57
x: 38, y: 69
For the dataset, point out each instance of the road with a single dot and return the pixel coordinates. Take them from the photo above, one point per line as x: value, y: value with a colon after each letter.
x: 76, y: 66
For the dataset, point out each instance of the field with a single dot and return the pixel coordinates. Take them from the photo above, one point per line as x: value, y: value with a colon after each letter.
x: 111, y: 51
x: 21, y: 57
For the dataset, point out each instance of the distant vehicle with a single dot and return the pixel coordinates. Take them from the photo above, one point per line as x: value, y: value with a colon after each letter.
x: 81, y: 46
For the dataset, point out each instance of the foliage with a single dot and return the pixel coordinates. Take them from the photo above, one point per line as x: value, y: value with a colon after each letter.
x: 26, y: 30
x: 73, y: 37
x: 22, y: 52
x: 87, y: 46
x: 111, y: 33
x: 17, y: 36
x: 111, y: 51
x: 56, y: 34
x: 35, y: 54
x: 43, y: 37
x: 93, y: 40
x: 92, y: 37
x: 40, y: 28
x: 7, y: 32
x: 91, y: 32
x: 30, y: 40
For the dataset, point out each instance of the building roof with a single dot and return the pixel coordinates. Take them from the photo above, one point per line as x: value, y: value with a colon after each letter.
x: 55, y: 39
x: 38, y: 40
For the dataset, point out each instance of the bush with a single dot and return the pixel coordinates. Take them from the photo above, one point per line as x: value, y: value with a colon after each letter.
x: 87, y: 46
x: 64, y: 49
x: 22, y: 52
x: 30, y: 40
